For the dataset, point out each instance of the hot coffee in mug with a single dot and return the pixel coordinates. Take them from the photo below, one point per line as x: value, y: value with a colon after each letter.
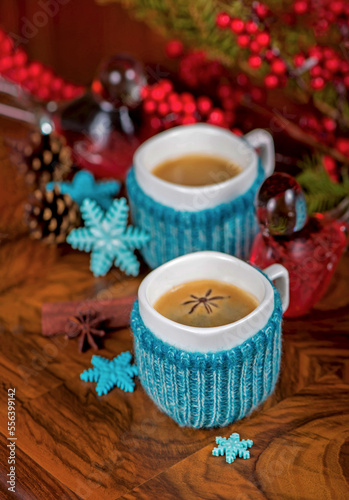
x: 206, y: 303
x: 197, y: 170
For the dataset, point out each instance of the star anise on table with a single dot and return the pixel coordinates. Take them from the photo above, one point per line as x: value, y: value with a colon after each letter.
x: 84, y: 326
x: 207, y: 302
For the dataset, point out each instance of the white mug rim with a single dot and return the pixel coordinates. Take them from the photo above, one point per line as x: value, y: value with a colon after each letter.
x: 156, y: 187
x: 147, y: 311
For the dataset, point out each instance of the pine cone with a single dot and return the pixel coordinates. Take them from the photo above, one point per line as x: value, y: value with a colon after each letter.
x: 51, y: 215
x: 45, y: 158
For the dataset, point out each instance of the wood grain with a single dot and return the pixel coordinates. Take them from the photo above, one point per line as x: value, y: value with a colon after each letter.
x: 296, y: 454
x: 74, y: 444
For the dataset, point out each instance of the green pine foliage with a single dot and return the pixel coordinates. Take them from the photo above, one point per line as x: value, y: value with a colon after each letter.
x: 321, y: 192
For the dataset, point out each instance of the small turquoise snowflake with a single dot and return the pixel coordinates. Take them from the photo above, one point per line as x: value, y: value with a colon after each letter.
x: 84, y: 186
x: 108, y: 238
x: 232, y: 447
x: 117, y: 372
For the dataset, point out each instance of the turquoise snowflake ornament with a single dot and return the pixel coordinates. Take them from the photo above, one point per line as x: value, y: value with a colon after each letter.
x: 232, y: 447
x: 109, y: 239
x: 117, y: 372
x: 84, y: 186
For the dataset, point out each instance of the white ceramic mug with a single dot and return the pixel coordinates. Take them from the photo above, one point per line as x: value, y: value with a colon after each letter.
x: 200, y: 139
x: 217, y: 266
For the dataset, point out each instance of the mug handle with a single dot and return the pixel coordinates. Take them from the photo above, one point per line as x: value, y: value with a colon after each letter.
x: 279, y: 273
x: 261, y: 139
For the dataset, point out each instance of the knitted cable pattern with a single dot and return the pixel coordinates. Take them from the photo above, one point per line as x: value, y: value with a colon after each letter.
x: 228, y: 227
x: 212, y: 389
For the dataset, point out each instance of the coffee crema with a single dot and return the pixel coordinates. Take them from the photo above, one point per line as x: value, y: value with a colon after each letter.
x: 206, y: 303
x: 196, y: 170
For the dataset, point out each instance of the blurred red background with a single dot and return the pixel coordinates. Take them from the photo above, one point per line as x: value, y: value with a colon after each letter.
x: 72, y: 36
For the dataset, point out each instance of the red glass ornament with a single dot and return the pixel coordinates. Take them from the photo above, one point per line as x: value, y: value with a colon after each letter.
x: 310, y: 250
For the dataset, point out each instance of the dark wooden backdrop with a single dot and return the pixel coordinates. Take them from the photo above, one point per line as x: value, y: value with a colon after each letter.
x: 79, y: 35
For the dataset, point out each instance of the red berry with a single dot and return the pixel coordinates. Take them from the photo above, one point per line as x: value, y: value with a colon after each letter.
x: 20, y: 58
x: 300, y: 7
x: 188, y: 120
x: 237, y: 26
x: 332, y: 65
x: 145, y: 92
x: 257, y: 94
x: 242, y: 80
x: 237, y: 132
x: 261, y: 10
x: 163, y: 109
x: 243, y: 41
x: 174, y: 49
x: 224, y: 90
x: 318, y: 83
x: 316, y: 52
x: 328, y: 52
x: 255, y: 61
x: 316, y: 71
x: 5, y: 64
x: 329, y: 124
x: 263, y: 38
x: 167, y: 86
x: 187, y: 97
x: 57, y: 84
x: 35, y: 69
x: 251, y: 27
x: 157, y: 93
x: 278, y: 66
x: 342, y: 145
x: 6, y: 46
x: 223, y: 20
x: 149, y: 106
x: 255, y: 47
x: 228, y: 104
x: 176, y: 106
x: 216, y: 116
x: 155, y: 123
x: 189, y: 108
x: 298, y: 60
x: 68, y: 91
x: 345, y: 67
x: 336, y: 6
x: 269, y: 55
x: 204, y: 105
x: 271, y: 81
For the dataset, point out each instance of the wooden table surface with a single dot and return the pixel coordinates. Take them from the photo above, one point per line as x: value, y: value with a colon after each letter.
x: 73, y: 444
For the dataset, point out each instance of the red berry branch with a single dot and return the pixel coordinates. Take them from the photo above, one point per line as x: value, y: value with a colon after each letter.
x: 33, y: 76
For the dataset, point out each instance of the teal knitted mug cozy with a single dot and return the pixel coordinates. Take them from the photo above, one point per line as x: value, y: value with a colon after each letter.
x: 228, y: 227
x: 209, y: 389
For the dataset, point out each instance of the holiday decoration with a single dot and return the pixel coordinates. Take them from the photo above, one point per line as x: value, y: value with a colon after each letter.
x: 117, y: 372
x: 165, y: 108
x: 309, y: 249
x: 51, y: 215
x: 33, y: 76
x: 108, y: 238
x: 116, y: 313
x: 84, y: 186
x: 232, y: 447
x: 42, y: 159
x: 84, y: 326
x: 103, y: 125
x: 255, y: 46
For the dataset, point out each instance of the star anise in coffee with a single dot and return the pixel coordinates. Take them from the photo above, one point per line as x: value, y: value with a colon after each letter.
x: 84, y: 326
x: 207, y: 301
